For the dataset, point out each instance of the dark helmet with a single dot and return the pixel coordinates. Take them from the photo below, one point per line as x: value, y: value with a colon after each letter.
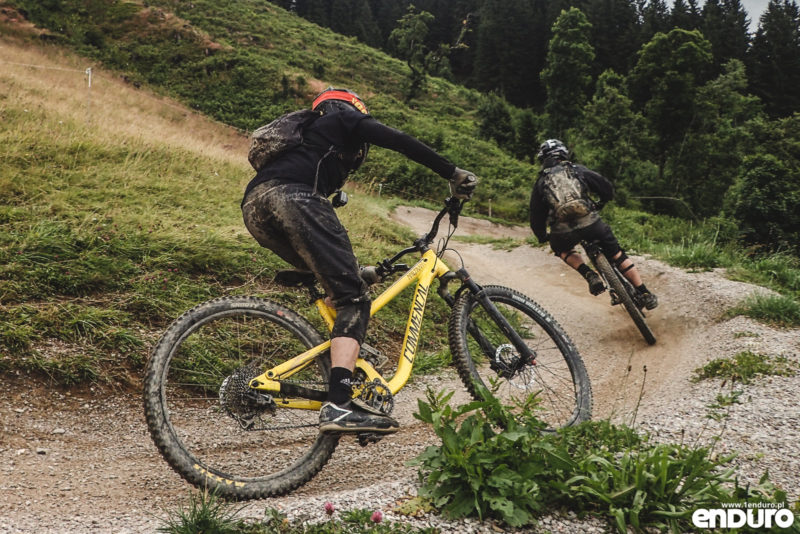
x: 552, y: 148
x: 332, y: 100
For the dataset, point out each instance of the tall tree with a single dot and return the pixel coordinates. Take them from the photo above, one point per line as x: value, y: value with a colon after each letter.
x: 567, y: 74
x: 664, y: 83
x: 654, y: 15
x: 509, y: 51
x: 726, y: 26
x: 719, y: 136
x: 614, y: 35
x: 614, y: 138
x: 685, y: 15
x: 408, y: 41
x: 774, y: 59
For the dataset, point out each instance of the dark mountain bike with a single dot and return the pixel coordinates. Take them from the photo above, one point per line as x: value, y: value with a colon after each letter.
x: 620, y: 289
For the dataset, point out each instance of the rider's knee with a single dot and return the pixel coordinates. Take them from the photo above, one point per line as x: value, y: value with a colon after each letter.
x: 352, y: 317
x: 621, y: 258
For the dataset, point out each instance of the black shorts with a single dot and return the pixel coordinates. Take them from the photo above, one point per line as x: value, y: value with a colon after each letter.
x: 598, y: 230
x: 302, y: 228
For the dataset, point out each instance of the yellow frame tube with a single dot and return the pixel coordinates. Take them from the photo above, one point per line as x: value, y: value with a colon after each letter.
x: 424, y: 272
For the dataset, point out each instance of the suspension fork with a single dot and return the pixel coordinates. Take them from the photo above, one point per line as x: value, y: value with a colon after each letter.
x: 526, y: 355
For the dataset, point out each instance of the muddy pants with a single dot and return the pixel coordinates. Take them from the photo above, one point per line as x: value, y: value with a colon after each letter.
x: 598, y: 230
x: 302, y: 228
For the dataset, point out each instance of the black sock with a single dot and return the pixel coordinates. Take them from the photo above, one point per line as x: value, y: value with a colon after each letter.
x: 339, y: 390
x: 584, y: 269
x: 642, y: 289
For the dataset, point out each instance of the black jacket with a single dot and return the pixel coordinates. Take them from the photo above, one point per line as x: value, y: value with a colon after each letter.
x: 539, y: 208
x: 347, y: 130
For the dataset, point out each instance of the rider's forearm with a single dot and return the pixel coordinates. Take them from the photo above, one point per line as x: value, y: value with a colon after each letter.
x: 381, y: 135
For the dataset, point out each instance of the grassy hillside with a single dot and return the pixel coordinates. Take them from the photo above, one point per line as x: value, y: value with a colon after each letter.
x: 247, y: 61
x: 121, y: 211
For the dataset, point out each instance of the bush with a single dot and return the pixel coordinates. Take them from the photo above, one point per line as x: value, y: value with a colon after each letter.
x: 491, y: 464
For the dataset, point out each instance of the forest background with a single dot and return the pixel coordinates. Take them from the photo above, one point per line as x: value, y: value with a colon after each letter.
x: 687, y: 111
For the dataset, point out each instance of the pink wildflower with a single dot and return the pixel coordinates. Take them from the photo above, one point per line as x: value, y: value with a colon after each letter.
x: 377, y: 516
x: 329, y: 508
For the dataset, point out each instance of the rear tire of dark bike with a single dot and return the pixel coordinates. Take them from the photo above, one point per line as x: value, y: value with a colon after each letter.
x: 611, y: 276
x: 197, y: 406
x: 565, y: 394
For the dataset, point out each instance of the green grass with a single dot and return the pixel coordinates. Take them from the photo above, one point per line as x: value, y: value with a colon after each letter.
x: 259, y: 61
x: 777, y: 310
x: 711, y: 244
x: 745, y: 366
x: 106, y: 237
x: 205, y: 514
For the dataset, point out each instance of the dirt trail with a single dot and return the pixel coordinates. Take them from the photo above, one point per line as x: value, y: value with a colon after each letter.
x: 606, y: 337
x: 89, y: 457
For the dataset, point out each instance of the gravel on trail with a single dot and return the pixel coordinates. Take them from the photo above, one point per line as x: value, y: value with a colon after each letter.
x: 82, y: 461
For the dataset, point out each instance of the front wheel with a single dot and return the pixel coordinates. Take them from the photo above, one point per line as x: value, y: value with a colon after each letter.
x: 209, y: 425
x: 484, y: 356
x: 613, y: 279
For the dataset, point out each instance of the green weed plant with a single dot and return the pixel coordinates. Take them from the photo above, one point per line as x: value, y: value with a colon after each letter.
x: 494, y: 465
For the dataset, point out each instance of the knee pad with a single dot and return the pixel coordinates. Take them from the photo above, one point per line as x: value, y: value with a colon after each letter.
x: 352, y: 318
x: 568, y: 254
x: 619, y: 261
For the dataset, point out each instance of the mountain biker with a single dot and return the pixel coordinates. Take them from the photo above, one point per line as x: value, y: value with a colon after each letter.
x: 286, y: 209
x: 569, y: 227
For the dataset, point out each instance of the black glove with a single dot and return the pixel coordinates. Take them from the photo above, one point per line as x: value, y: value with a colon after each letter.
x: 462, y: 184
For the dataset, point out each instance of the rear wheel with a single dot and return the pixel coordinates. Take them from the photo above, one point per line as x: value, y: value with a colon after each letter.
x: 611, y: 276
x: 209, y: 425
x: 483, y: 354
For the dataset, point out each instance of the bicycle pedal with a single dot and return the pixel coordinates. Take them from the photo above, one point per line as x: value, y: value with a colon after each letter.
x: 365, y: 438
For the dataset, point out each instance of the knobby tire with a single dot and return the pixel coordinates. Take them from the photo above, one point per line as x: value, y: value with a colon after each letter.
x: 611, y: 276
x: 558, y: 375
x: 195, y: 431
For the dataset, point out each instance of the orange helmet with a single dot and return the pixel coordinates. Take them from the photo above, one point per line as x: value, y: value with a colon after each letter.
x: 332, y: 99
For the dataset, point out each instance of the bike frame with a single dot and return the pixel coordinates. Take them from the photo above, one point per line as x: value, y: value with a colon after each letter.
x: 424, y: 272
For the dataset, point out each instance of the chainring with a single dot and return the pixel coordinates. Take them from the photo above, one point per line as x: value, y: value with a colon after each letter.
x: 377, y: 395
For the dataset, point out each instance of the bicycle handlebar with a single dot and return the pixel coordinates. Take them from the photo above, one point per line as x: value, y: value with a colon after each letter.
x: 452, y: 207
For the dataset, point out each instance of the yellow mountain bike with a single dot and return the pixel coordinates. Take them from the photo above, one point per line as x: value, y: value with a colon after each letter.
x: 233, y: 389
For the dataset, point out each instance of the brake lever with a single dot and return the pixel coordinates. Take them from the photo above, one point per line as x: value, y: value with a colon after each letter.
x: 454, y: 207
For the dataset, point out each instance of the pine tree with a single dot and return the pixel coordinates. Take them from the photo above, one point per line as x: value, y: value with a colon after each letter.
x: 684, y: 15
x: 567, y: 74
x: 614, y: 138
x: 614, y: 35
x: 654, y: 15
x: 509, y: 51
x: 774, y: 59
x: 664, y: 83
x: 726, y: 26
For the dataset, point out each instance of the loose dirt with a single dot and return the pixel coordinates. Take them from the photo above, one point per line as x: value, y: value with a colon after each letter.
x: 82, y: 460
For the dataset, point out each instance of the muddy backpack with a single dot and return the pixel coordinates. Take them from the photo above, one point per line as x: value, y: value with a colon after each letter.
x: 565, y: 192
x: 276, y: 138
